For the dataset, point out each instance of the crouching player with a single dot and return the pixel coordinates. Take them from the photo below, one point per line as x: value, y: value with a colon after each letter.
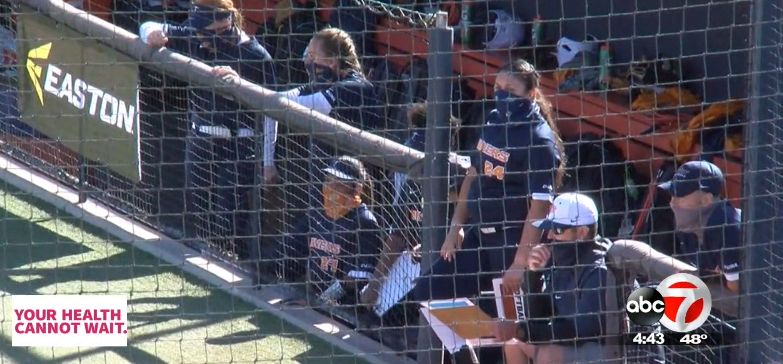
x: 335, y: 247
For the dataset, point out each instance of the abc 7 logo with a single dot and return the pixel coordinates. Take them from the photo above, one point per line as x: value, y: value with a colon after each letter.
x: 682, y: 303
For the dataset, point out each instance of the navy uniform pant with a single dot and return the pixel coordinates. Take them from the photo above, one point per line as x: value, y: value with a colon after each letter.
x: 220, y: 177
x: 484, y: 256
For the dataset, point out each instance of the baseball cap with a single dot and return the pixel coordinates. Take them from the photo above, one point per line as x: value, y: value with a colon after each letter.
x: 506, y: 32
x: 345, y: 168
x: 695, y: 176
x: 201, y: 17
x: 570, y: 210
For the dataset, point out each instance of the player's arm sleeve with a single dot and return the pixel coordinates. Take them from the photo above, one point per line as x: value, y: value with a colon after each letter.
x: 148, y: 27
x: 322, y: 102
x: 729, y: 238
x: 542, y: 167
x: 177, y: 35
x: 585, y: 323
x: 370, y: 243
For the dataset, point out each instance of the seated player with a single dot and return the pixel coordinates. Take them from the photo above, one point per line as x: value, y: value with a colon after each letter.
x: 570, y: 318
x: 335, y: 247
x: 405, y: 223
x: 708, y: 235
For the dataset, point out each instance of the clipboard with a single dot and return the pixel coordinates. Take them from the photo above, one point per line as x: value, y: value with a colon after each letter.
x: 510, y: 307
x: 462, y: 317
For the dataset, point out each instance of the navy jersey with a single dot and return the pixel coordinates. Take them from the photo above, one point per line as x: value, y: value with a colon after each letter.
x: 515, y: 161
x: 351, y: 100
x: 408, y: 200
x: 347, y: 247
x: 574, y: 298
x: 720, y: 248
x: 355, y: 102
x: 248, y: 58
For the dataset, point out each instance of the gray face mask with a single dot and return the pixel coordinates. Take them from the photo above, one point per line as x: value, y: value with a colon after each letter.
x: 691, y: 219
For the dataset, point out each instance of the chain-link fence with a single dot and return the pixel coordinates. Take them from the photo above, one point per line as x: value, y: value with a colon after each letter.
x: 346, y: 206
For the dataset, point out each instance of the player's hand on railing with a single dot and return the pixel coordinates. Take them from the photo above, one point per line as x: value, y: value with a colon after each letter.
x: 452, y: 243
x: 270, y: 174
x: 538, y: 257
x: 225, y: 73
x: 157, y: 38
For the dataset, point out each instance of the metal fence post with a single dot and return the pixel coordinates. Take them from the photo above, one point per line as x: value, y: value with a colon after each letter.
x: 762, y: 282
x: 436, y: 150
x: 435, y: 179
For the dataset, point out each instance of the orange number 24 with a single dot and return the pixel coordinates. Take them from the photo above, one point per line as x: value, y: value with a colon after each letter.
x: 329, y: 264
x: 492, y: 171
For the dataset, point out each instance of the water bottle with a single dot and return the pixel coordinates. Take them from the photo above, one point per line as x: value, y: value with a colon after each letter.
x: 465, y: 23
x: 535, y: 36
x: 605, y: 61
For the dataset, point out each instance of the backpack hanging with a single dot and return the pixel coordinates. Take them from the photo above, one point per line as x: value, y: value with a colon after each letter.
x: 598, y: 168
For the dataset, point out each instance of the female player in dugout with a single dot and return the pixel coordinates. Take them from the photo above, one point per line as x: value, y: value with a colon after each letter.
x: 221, y: 137
x: 335, y: 248
x: 518, y: 163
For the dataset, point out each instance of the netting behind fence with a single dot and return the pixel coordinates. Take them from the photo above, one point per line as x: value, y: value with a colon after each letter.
x: 608, y: 100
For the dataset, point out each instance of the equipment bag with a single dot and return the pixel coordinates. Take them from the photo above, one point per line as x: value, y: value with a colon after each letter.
x: 598, y: 168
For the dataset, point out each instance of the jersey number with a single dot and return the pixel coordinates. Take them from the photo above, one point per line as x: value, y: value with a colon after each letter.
x: 492, y: 171
x: 329, y: 264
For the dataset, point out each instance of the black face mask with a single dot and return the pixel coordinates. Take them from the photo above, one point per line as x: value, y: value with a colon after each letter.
x: 201, y: 17
x: 320, y: 74
x: 567, y: 252
x: 216, y: 39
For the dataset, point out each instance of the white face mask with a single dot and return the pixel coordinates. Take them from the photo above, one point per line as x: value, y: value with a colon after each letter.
x: 690, y: 219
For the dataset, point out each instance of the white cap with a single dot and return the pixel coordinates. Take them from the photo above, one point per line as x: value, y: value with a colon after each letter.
x: 509, y: 31
x: 567, y: 49
x: 569, y: 210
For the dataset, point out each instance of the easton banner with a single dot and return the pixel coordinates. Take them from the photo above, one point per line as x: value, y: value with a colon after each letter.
x: 79, y: 92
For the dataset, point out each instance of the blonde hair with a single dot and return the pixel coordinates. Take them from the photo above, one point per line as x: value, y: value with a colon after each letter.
x: 226, y: 5
x: 339, y: 44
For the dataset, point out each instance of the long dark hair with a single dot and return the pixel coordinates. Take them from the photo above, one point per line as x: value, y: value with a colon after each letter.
x: 526, y: 73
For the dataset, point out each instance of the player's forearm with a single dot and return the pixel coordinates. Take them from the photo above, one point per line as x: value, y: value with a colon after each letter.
x: 733, y: 286
x: 531, y: 235
x: 391, y: 252
x: 461, y: 211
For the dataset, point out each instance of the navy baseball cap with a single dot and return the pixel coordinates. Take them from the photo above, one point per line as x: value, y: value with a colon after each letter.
x: 695, y: 176
x: 201, y: 17
x: 345, y: 168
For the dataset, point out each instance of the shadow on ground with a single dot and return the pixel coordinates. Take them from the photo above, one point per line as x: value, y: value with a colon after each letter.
x: 26, y: 243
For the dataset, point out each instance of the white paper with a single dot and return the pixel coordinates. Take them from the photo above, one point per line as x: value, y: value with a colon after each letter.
x: 459, y: 160
x: 499, y: 300
x: 400, y: 280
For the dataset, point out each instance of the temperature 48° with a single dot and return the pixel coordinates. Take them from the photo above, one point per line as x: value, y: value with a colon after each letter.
x: 692, y: 339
